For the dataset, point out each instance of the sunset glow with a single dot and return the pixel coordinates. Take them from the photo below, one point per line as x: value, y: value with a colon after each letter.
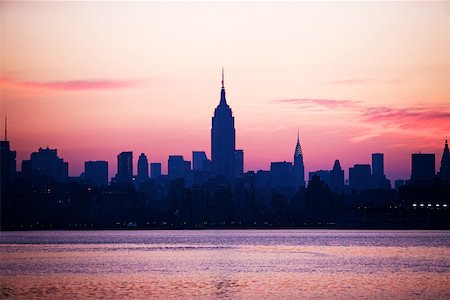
x: 93, y: 79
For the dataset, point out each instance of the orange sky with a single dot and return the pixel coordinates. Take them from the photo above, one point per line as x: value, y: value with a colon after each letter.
x: 96, y: 78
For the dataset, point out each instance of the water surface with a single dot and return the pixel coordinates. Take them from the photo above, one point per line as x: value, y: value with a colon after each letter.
x: 225, y: 264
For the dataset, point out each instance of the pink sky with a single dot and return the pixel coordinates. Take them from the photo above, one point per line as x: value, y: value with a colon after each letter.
x: 96, y: 78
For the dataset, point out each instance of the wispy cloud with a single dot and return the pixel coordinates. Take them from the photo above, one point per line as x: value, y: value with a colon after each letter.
x: 329, y: 103
x: 419, y: 118
x: 71, y: 85
x: 356, y: 81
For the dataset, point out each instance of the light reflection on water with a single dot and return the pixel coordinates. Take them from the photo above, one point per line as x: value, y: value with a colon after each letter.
x: 220, y: 263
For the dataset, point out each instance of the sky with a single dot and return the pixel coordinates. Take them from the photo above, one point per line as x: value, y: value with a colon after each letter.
x: 93, y: 79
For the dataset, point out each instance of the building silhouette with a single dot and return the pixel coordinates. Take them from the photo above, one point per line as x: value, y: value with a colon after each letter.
x: 177, y: 166
x: 45, y: 165
x: 142, y: 168
x: 359, y: 177
x: 423, y: 167
x: 155, y: 170
x: 7, y: 161
x: 299, y: 167
x: 124, y: 167
x: 444, y: 170
x: 96, y: 173
x: 379, y: 180
x: 337, y: 178
x: 378, y: 164
x: 199, y: 160
x: 223, y: 139
x: 282, y: 175
x: 239, y: 162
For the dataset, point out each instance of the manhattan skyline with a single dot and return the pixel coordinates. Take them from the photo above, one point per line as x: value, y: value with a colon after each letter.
x: 148, y: 83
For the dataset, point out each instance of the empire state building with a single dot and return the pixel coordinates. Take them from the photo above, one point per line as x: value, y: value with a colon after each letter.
x: 223, y: 139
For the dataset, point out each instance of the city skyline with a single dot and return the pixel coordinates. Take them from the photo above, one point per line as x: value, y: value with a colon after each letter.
x: 147, y: 84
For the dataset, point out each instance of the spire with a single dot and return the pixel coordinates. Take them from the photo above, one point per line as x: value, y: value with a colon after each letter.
x: 298, y: 147
x: 223, y: 100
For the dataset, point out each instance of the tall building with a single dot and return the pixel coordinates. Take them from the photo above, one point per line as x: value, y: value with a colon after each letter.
x: 299, y: 167
x: 96, y: 172
x: 378, y: 164
x: 359, y: 177
x: 444, y: 171
x: 198, y: 160
x: 337, y: 177
x: 423, y: 167
x: 142, y: 166
x: 7, y: 160
x: 223, y: 139
x: 239, y: 162
x: 379, y: 180
x: 125, y: 167
x: 155, y: 170
x: 176, y: 166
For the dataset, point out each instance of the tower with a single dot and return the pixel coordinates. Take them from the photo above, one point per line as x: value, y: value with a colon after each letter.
x: 223, y: 139
x: 378, y: 164
x: 299, y: 167
x: 125, y: 167
x: 142, y: 167
x: 444, y: 171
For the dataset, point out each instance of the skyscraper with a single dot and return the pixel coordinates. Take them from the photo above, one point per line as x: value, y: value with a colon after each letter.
x: 423, y: 167
x: 223, y: 139
x: 378, y: 164
x: 444, y: 171
x: 125, y: 167
x: 142, y: 174
x: 299, y: 167
x: 337, y: 178
x: 7, y: 161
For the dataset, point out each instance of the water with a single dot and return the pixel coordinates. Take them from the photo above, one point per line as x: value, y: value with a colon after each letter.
x: 225, y: 264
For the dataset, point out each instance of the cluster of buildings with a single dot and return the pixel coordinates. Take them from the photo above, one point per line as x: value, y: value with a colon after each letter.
x: 226, y: 162
x: 203, y: 190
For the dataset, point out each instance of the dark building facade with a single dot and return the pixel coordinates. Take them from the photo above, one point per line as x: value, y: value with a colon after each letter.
x: 96, y: 172
x: 45, y: 163
x: 239, y: 162
x: 378, y: 164
x: 444, y: 170
x: 337, y: 178
x: 155, y: 170
x: 199, y: 160
x: 359, y: 177
x: 142, y: 168
x: 423, y: 167
x: 7, y: 163
x: 125, y: 167
x: 176, y: 166
x: 223, y: 139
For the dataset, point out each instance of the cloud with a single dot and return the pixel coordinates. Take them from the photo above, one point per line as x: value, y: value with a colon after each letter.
x: 354, y: 81
x: 71, y: 85
x: 419, y: 119
x: 328, y: 103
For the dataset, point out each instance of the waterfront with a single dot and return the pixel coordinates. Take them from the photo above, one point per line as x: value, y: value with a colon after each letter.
x: 225, y: 263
